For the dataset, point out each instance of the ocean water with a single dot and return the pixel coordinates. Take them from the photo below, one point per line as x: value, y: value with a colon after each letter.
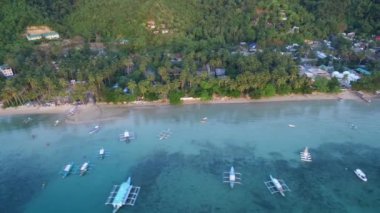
x: 184, y: 172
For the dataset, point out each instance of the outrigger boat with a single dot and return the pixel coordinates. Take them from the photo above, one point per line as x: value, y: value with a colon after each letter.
x: 305, y: 155
x: 291, y: 125
x: 275, y: 185
x: 102, y: 153
x: 72, y: 111
x: 232, y: 177
x: 125, y: 194
x: 126, y: 136
x: 67, y: 170
x: 204, y: 120
x: 360, y: 175
x: 84, y: 168
x: 27, y: 120
x: 95, y: 129
x: 164, y: 134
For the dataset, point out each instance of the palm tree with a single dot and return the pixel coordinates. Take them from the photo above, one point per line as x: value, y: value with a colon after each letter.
x: 128, y: 63
x: 132, y: 86
x: 143, y: 87
x: 49, y: 85
x: 184, y: 76
x: 163, y: 72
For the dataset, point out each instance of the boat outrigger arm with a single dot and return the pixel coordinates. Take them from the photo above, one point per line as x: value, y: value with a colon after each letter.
x: 275, y: 185
x: 232, y: 177
x: 124, y: 194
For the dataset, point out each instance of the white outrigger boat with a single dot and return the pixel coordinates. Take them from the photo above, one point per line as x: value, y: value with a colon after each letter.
x: 305, y: 155
x: 125, y: 194
x: 232, y: 177
x: 95, y: 129
x: 102, y: 153
x: 84, y: 168
x: 67, y: 170
x: 164, y: 134
x: 275, y: 185
x: 27, y: 120
x: 72, y: 111
x: 126, y: 136
x: 291, y: 125
x: 360, y: 175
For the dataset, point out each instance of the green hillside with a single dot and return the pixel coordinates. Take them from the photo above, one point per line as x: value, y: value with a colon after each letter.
x: 204, y: 34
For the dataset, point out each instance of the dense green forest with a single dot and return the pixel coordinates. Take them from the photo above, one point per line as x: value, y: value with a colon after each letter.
x: 202, y: 33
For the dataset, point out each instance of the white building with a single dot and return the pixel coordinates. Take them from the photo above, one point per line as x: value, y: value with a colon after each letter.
x: 6, y: 71
x: 346, y: 77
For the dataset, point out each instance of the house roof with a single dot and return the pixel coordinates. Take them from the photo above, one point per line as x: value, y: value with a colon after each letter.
x: 363, y: 71
x: 220, y: 71
x: 50, y: 33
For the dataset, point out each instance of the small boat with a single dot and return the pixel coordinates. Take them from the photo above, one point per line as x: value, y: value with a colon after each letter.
x: 231, y: 177
x: 278, y: 185
x: 125, y: 194
x: 84, y: 168
x: 95, y: 129
x: 164, y: 134
x: 360, y: 174
x: 126, y: 136
x: 67, y: 170
x: 56, y: 123
x: 291, y: 125
x: 72, y: 111
x: 305, y: 155
x: 275, y: 185
x: 204, y: 120
x: 27, y: 120
x: 101, y: 153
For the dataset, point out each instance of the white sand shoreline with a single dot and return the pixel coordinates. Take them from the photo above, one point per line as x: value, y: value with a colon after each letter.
x: 101, y: 107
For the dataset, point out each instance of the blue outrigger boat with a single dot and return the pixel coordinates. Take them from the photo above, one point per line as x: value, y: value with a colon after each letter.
x: 124, y: 194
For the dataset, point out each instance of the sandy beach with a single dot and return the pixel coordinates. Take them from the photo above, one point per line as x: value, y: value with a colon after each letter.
x: 103, y: 111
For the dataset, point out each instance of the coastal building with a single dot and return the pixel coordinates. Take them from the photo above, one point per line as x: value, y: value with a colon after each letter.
x: 321, y: 55
x: 252, y: 47
x: 346, y: 78
x: 363, y: 71
x: 6, y: 71
x: 313, y: 72
x: 39, y: 32
x: 220, y: 72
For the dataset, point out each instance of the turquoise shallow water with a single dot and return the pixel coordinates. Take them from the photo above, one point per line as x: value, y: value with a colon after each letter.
x: 184, y: 173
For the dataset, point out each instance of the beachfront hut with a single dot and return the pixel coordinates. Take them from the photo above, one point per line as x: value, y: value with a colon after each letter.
x: 38, y: 32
